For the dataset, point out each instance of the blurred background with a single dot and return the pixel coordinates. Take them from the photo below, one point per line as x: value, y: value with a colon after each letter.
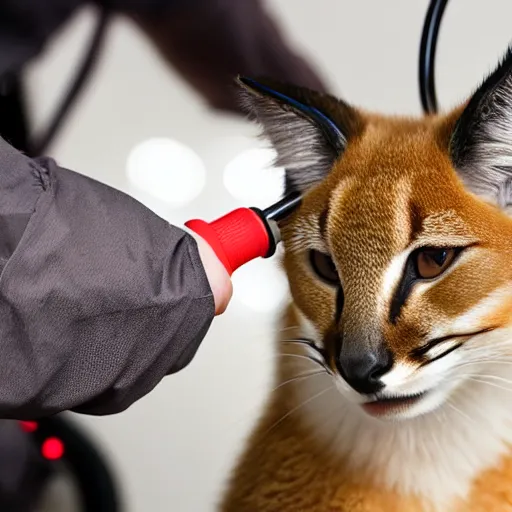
x: 140, y: 128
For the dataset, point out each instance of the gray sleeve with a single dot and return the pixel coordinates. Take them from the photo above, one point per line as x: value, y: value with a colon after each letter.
x: 99, y: 297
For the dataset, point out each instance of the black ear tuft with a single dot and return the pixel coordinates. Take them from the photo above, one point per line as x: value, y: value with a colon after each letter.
x: 309, y: 130
x: 481, y: 143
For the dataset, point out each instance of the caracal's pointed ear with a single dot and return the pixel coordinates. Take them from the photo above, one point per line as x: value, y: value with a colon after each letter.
x: 481, y: 141
x: 308, y: 130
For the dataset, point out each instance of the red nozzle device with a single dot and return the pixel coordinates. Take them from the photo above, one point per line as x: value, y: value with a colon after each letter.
x: 245, y: 233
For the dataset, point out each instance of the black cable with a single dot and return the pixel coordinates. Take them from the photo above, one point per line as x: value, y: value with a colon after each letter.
x: 428, y: 55
x: 89, y: 60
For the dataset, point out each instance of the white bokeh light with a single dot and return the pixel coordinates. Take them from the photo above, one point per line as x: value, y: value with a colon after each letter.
x: 251, y: 179
x: 167, y: 170
x: 261, y: 286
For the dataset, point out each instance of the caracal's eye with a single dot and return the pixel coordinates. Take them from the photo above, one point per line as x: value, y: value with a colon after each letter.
x: 324, y: 267
x: 432, y: 262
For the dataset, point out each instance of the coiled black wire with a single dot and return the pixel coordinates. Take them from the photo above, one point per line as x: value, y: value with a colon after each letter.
x: 39, y: 146
x: 427, y: 56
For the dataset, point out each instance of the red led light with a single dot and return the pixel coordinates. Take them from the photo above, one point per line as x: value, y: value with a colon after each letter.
x: 52, y: 449
x: 28, y: 426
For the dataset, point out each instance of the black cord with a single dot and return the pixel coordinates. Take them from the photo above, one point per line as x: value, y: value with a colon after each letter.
x: 38, y: 147
x: 428, y: 55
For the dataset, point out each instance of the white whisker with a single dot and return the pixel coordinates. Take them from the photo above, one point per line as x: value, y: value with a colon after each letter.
x: 464, y: 415
x: 301, y: 356
x: 492, y: 377
x: 296, y: 408
x: 482, y: 381
x: 299, y: 378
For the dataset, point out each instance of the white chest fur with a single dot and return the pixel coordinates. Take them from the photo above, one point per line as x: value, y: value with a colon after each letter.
x: 435, y: 456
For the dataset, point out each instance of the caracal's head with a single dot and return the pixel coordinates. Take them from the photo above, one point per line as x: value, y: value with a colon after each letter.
x: 400, y: 257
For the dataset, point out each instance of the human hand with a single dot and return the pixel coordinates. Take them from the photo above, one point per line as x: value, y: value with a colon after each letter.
x: 218, y: 277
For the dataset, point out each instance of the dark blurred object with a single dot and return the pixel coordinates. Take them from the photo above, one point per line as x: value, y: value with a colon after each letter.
x: 96, y: 486
x: 219, y: 39
x: 34, y: 454
x: 209, y: 42
x: 24, y: 473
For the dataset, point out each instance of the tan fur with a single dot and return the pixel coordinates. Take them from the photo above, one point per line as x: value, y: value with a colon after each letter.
x: 285, y: 469
x: 395, y: 178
